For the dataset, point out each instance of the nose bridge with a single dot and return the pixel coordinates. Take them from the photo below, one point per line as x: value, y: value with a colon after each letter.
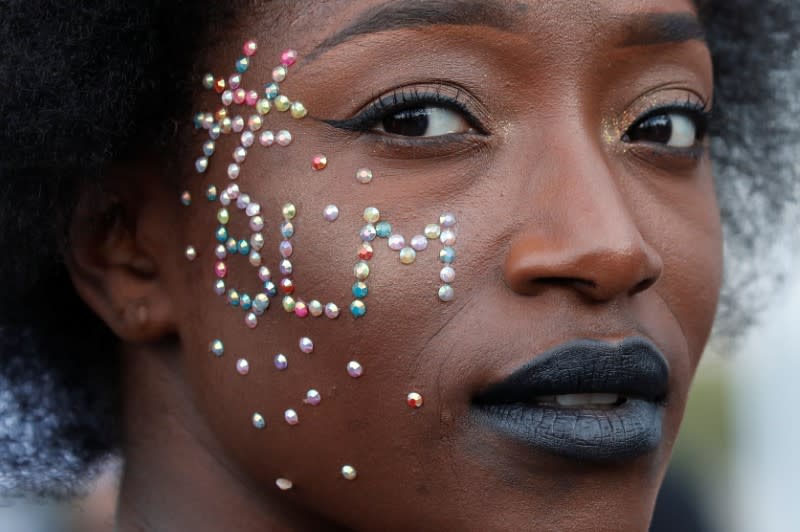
x: 587, y: 238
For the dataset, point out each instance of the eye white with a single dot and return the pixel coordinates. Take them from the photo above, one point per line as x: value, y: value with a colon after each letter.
x: 684, y: 132
x: 441, y: 121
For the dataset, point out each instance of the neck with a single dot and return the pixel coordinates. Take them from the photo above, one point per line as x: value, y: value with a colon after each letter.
x: 176, y: 475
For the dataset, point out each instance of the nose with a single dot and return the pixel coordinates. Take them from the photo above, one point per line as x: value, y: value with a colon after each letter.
x: 586, y: 240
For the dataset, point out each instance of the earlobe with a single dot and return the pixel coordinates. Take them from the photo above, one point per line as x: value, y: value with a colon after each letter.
x: 115, y: 275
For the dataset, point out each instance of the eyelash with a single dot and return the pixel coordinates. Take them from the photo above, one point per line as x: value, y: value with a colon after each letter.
x: 405, y: 99
x: 698, y: 112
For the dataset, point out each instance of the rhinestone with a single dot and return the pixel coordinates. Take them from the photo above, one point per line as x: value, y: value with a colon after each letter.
x: 330, y: 213
x: 286, y: 267
x: 287, y: 229
x: 364, y: 175
x: 447, y: 274
x: 247, y: 139
x: 349, y: 472
x: 243, y: 366
x: 233, y: 170
x: 282, y: 103
x: 286, y: 249
x: 243, y: 201
x: 271, y: 91
x: 208, y: 81
x: 383, y: 229
x: 255, y: 259
x: 396, y: 242
x: 289, y: 211
x: 371, y: 215
x: 211, y: 193
x: 448, y: 237
x: 225, y: 126
x: 256, y: 223
x: 249, y: 47
x: 354, y: 369
x: 233, y: 298
x: 288, y: 303
x: 225, y: 198
x: 360, y: 289
x: 301, y: 309
x: 298, y: 110
x: 251, y: 320
x: 237, y: 124
x: 313, y: 397
x: 239, y: 96
x: 247, y: 302
x: 257, y: 241
x: 227, y: 98
x: 270, y: 289
x: 358, y: 308
x: 221, y: 270
x: 219, y: 287
x: 447, y: 255
x: 315, y: 308
x: 332, y: 311
x: 288, y: 57
x: 232, y: 246
x: 284, y: 138
x: 208, y: 148
x: 368, y: 233
x: 191, y: 253
x: 260, y: 303
x: 365, y: 251
x: 253, y: 209
x: 216, y: 348
x: 242, y: 64
x: 201, y: 164
x: 223, y: 216
x: 258, y: 421
x: 283, y: 484
x: 254, y: 123
x: 419, y: 243
x: 281, y: 363
x: 408, y: 255
x: 243, y: 246
x: 239, y: 154
x: 446, y: 293
x: 263, y: 106
x: 264, y: 274
x: 319, y: 162
x: 266, y: 138
x: 432, y: 231
x: 233, y: 190
x: 286, y: 286
x: 251, y: 99
x: 220, y: 252
x: 414, y: 400
x: 221, y: 114
x: 278, y: 74
x: 361, y: 271
x: 215, y: 131
x: 306, y: 345
x: 235, y: 81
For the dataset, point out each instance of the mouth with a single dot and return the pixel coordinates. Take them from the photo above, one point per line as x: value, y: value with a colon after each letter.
x: 585, y: 400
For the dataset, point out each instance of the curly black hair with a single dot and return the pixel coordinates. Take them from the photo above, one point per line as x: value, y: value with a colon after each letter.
x: 85, y: 84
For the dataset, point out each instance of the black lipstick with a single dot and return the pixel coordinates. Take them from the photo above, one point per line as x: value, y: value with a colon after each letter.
x: 586, y: 400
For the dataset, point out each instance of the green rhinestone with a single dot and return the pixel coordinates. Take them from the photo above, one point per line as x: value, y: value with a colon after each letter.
x: 289, y: 303
x: 358, y: 308
x: 383, y: 229
x: 289, y: 211
x: 223, y: 216
x: 263, y: 106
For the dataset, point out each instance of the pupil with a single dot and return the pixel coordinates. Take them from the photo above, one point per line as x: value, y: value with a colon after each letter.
x: 656, y: 129
x: 410, y: 123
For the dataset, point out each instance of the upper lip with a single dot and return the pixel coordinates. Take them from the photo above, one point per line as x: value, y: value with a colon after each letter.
x: 632, y: 368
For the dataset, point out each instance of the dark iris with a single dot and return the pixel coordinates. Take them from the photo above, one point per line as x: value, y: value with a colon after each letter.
x: 409, y: 123
x: 654, y: 129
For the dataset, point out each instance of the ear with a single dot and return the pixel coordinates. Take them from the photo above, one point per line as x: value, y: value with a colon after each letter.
x: 114, y: 272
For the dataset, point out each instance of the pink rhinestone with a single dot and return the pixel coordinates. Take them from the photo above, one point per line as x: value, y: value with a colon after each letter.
x: 286, y: 249
x: 354, y: 369
x: 242, y: 366
x: 237, y: 124
x: 291, y: 417
x: 283, y: 137
x: 331, y: 311
x: 249, y: 48
x: 253, y: 209
x: 251, y: 98
x: 306, y: 345
x: 267, y: 138
x: 221, y: 270
x: 397, y: 242
x: 288, y: 57
x: 239, y: 95
x: 419, y: 243
x: 251, y: 320
x: 234, y: 81
x: 301, y: 309
x: 319, y: 162
x: 313, y: 397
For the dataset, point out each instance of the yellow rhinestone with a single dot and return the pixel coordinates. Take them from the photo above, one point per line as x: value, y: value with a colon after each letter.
x: 298, y: 110
x: 407, y: 255
x: 226, y: 125
x: 289, y: 211
x: 263, y: 106
x: 361, y: 271
x: 282, y: 103
x: 223, y: 217
x: 432, y: 231
x: 221, y: 114
x: 371, y: 215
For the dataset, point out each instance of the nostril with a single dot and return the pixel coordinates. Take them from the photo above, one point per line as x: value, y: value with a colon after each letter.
x: 571, y: 282
x: 643, y: 285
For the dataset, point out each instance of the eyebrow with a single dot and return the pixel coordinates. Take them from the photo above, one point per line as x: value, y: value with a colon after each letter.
x: 643, y: 29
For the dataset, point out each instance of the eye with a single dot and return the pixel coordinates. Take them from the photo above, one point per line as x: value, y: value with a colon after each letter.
x: 676, y: 128
x: 423, y: 122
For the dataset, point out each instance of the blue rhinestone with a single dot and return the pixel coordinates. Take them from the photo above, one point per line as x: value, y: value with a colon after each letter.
x: 360, y: 289
x: 222, y: 233
x: 211, y: 194
x: 383, y: 229
x: 231, y: 246
x: 242, y: 64
x: 246, y: 301
x: 287, y: 229
x: 447, y: 255
x: 358, y: 308
x: 271, y: 91
x: 244, y: 247
x: 260, y: 303
x: 215, y: 132
x: 270, y: 289
x: 198, y: 120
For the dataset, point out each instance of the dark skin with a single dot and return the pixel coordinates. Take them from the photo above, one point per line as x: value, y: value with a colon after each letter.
x: 567, y: 229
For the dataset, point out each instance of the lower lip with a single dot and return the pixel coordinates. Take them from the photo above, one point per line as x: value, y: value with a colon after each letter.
x: 598, y: 435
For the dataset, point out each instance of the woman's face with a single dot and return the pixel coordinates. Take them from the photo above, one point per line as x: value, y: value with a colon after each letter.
x: 567, y: 140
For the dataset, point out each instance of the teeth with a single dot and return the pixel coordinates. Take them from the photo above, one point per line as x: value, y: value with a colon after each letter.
x: 581, y: 399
